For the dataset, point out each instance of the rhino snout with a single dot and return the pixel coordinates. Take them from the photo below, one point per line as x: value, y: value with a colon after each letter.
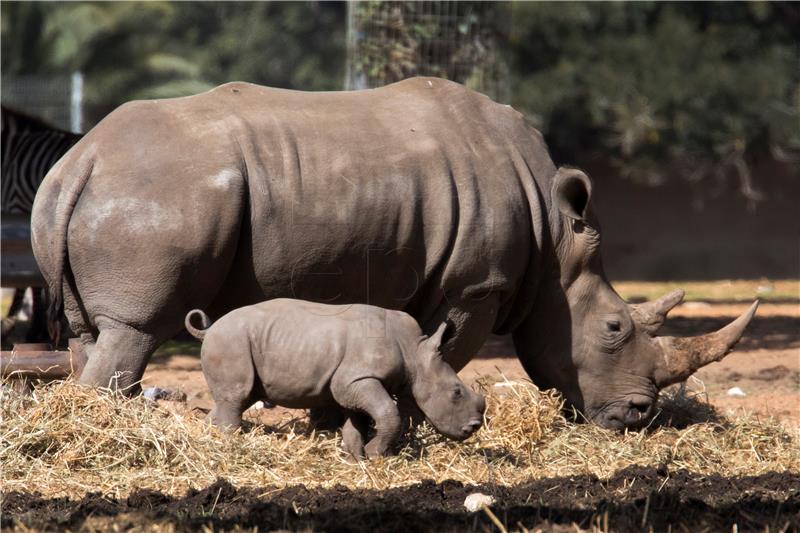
x: 632, y: 413
x: 472, y: 426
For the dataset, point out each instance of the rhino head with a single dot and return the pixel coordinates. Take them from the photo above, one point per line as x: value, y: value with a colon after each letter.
x: 455, y: 410
x: 581, y: 338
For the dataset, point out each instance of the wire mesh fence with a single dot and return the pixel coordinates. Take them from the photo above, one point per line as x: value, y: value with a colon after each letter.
x: 57, y: 100
x: 460, y: 41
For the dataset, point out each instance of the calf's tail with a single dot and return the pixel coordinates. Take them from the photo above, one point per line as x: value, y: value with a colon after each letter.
x: 204, y: 320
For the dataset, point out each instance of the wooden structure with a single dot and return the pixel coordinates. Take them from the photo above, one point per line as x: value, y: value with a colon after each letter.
x: 40, y: 361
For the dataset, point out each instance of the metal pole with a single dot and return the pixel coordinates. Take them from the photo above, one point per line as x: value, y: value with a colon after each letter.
x: 76, y: 103
x: 349, y: 84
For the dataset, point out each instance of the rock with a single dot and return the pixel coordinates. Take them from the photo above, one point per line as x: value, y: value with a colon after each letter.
x: 156, y: 393
x: 477, y: 501
x: 737, y: 392
x: 765, y: 289
x: 261, y: 404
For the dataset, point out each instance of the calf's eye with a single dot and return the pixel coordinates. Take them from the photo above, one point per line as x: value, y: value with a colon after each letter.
x: 613, y: 325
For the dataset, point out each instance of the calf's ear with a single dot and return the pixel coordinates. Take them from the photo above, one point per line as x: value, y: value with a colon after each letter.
x: 435, y: 340
x: 572, y: 190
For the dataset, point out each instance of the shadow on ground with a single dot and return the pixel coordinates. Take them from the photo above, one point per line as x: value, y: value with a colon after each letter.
x: 633, y: 500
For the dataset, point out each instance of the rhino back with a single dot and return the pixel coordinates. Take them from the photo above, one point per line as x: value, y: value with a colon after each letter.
x: 159, y: 214
x: 397, y: 197
x: 297, y: 346
x: 400, y: 197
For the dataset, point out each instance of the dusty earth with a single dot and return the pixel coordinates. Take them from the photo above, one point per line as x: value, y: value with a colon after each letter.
x: 635, y: 499
x: 765, y: 365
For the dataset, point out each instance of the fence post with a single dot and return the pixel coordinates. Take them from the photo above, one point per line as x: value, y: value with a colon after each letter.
x: 76, y: 103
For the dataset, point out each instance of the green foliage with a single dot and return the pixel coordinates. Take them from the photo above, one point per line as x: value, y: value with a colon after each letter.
x: 664, y: 89
x: 460, y: 41
x: 133, y: 50
x: 694, y: 90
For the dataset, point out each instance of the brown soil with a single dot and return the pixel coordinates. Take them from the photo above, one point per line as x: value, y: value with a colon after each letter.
x: 765, y: 365
x: 633, y: 500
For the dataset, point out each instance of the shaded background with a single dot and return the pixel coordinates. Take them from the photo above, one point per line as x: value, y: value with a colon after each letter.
x: 687, y: 116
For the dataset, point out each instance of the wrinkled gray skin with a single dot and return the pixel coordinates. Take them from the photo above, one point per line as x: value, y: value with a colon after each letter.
x: 422, y: 196
x: 303, y: 354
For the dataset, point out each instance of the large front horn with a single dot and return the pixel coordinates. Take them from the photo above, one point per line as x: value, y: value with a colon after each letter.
x: 684, y: 355
x: 651, y: 315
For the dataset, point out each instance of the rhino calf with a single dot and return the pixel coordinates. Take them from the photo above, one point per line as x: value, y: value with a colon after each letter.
x: 301, y: 354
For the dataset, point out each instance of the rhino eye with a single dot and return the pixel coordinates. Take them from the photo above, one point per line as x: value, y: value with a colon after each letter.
x: 614, y: 325
x: 457, y: 393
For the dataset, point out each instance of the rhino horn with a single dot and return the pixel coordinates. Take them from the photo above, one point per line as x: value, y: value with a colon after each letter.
x: 684, y: 355
x: 651, y: 315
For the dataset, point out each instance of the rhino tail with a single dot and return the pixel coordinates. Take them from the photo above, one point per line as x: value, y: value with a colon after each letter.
x: 197, y: 333
x: 68, y: 198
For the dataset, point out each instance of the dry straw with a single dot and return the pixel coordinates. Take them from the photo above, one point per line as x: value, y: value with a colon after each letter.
x: 67, y: 440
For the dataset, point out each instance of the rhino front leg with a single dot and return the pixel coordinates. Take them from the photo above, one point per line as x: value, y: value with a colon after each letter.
x: 410, y: 413
x: 471, y: 323
x: 354, y: 434
x: 326, y: 418
x: 369, y: 396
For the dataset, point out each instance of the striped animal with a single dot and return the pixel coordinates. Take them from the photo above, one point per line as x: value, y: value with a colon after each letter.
x: 30, y: 147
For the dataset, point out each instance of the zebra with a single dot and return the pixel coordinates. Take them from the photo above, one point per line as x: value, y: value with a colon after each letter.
x: 30, y: 147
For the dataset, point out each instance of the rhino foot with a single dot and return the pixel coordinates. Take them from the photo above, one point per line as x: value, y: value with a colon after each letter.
x: 354, y: 435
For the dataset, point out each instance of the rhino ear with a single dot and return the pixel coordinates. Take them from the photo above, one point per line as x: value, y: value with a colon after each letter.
x: 435, y: 340
x: 572, y: 190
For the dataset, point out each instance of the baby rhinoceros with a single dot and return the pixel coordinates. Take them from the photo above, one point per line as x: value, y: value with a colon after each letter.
x: 301, y: 354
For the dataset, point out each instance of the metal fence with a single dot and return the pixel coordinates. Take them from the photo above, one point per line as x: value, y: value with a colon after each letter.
x: 56, y: 100
x: 460, y: 41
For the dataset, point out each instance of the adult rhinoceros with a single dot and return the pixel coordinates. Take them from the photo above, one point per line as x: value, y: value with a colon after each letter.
x: 423, y: 196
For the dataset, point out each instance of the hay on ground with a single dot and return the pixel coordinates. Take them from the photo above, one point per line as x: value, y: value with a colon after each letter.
x: 65, y: 439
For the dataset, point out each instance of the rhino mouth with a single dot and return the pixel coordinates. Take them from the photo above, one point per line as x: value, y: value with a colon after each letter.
x: 458, y: 433
x: 632, y: 412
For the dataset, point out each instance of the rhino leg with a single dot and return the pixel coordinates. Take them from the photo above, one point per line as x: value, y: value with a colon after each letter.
x: 369, y: 396
x: 326, y: 418
x: 118, y: 358
x: 471, y: 321
x: 226, y: 415
x: 354, y: 434
x: 410, y: 413
x: 228, y: 368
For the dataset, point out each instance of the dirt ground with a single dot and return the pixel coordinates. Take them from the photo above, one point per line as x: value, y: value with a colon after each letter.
x: 635, y: 499
x: 765, y: 365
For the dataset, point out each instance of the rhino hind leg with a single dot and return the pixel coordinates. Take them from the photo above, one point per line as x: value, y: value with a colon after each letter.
x: 226, y: 415
x: 118, y: 359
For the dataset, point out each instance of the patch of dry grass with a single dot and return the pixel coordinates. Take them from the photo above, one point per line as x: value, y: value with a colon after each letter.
x: 68, y: 440
x: 744, y: 290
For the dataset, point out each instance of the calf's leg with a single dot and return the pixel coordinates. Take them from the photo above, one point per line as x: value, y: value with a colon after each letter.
x: 230, y: 374
x: 369, y: 396
x: 354, y: 434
